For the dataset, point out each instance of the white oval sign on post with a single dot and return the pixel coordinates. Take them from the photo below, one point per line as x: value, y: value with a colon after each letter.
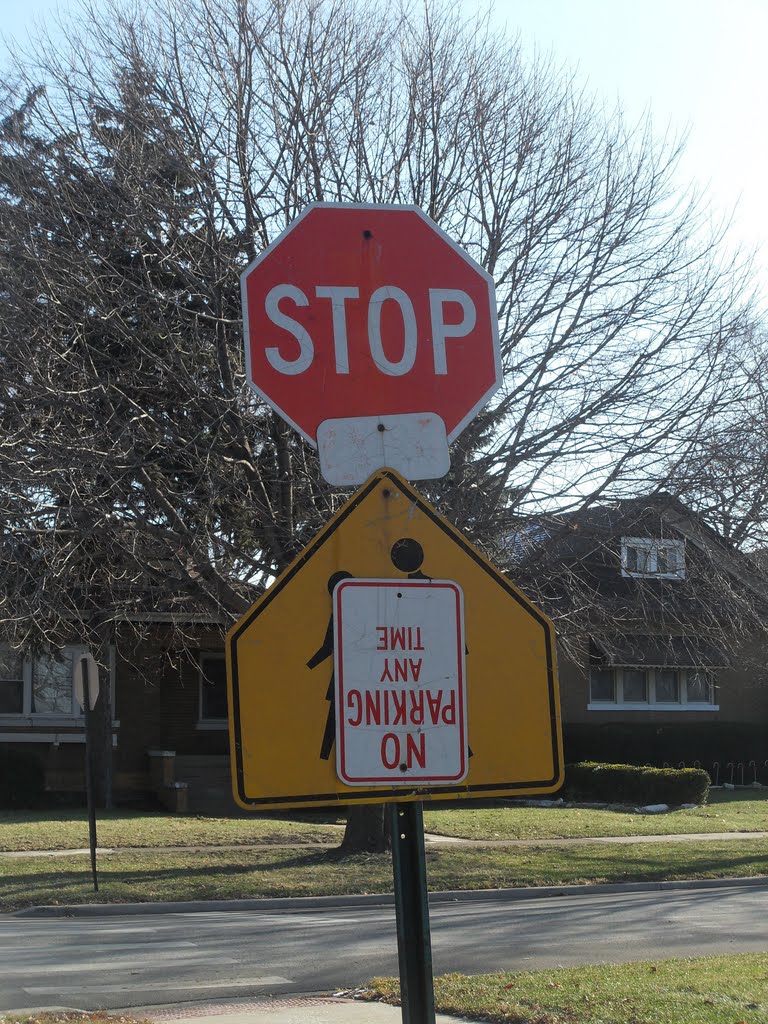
x: 93, y: 680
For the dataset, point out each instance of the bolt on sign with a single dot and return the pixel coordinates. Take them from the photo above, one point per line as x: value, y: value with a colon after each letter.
x: 486, y: 701
x: 400, y: 695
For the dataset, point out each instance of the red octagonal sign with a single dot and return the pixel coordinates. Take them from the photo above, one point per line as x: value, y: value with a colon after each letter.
x: 358, y: 311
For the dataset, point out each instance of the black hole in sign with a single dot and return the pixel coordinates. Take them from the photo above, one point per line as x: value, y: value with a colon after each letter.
x: 403, y: 768
x: 381, y: 427
x: 367, y: 234
x: 399, y: 595
x: 407, y: 554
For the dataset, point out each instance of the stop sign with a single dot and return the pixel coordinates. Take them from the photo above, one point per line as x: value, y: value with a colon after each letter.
x: 359, y: 311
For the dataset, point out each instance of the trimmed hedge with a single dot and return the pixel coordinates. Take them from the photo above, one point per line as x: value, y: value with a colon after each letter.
x: 630, y: 784
x: 22, y: 779
x: 644, y: 743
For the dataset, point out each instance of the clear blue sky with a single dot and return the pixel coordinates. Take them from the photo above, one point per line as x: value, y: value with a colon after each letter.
x: 699, y: 65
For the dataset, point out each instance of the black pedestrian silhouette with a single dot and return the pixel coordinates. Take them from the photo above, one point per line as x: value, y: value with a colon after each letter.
x: 323, y: 652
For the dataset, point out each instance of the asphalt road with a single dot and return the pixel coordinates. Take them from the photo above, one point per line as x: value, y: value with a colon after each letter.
x: 120, y: 961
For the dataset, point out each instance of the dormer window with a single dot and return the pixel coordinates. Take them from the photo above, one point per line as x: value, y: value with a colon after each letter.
x: 653, y: 557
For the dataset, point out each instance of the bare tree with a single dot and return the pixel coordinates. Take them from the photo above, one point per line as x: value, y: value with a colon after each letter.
x: 724, y: 474
x: 143, y: 164
x: 572, y: 565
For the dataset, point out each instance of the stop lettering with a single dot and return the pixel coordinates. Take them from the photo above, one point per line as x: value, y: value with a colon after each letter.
x: 367, y: 310
x: 439, y: 327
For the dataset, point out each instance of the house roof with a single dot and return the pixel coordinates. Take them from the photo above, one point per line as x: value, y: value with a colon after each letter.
x: 572, y: 565
x: 591, y: 537
x: 658, y: 651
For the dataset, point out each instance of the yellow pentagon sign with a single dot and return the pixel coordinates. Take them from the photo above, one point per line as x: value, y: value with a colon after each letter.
x: 280, y: 662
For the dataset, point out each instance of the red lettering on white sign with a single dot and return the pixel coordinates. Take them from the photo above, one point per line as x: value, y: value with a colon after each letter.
x: 401, y: 670
x: 401, y: 707
x: 415, y: 751
x: 404, y: 638
x: 400, y: 714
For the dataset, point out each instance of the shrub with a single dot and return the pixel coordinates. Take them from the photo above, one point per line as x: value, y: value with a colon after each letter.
x: 643, y: 743
x: 22, y: 779
x: 630, y: 784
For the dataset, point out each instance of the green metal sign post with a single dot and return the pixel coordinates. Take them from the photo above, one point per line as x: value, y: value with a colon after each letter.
x: 414, y: 946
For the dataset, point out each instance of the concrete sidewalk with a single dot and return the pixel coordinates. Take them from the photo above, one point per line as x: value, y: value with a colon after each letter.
x: 298, y: 1010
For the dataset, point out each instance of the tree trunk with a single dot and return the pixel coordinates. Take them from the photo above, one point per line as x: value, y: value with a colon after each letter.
x: 367, y: 830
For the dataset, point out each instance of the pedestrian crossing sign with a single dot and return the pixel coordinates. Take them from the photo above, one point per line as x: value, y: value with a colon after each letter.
x: 283, y: 659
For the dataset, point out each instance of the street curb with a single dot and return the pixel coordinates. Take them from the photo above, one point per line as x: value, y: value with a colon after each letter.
x: 303, y: 903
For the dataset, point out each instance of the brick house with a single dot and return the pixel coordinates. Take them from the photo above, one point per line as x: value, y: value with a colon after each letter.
x: 169, y: 709
x: 662, y: 629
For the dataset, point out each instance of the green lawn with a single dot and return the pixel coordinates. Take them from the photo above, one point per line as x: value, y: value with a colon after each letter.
x: 741, y: 810
x: 704, y: 990
x: 230, y: 874
x: 68, y: 830
x: 728, y: 811
x: 170, y: 873
x: 701, y: 990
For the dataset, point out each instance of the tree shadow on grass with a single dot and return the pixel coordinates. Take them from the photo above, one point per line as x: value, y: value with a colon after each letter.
x: 315, y: 872
x: 705, y: 860
x: 584, y: 864
x: 218, y: 877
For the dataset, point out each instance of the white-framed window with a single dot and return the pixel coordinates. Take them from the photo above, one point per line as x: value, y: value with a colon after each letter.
x: 39, y: 688
x: 665, y: 689
x: 602, y: 686
x: 12, y: 683
x: 653, y: 557
x: 213, y: 689
x: 634, y: 686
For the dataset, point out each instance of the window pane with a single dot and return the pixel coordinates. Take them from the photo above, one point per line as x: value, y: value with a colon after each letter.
x: 11, y: 696
x: 669, y: 559
x: 638, y: 559
x: 11, y: 681
x: 11, y: 663
x: 667, y: 686
x: 601, y: 685
x: 635, y: 685
x: 698, y: 688
x: 653, y: 557
x: 52, y: 685
x: 214, y: 688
